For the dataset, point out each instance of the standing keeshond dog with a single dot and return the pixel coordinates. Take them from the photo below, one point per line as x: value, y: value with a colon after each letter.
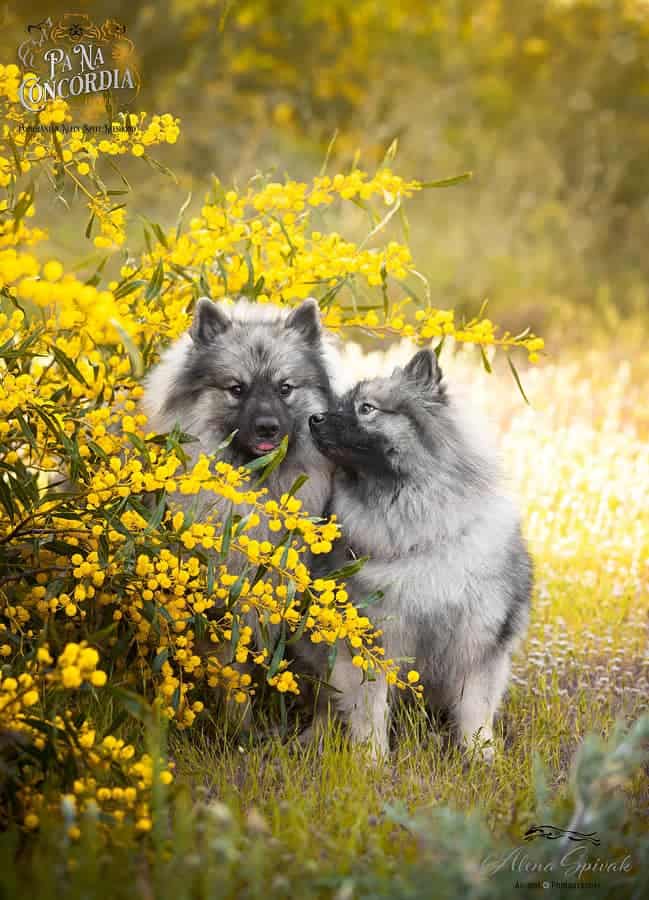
x: 418, y: 495
x: 258, y: 371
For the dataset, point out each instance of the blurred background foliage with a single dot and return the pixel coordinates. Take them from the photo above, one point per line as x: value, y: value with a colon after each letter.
x: 545, y: 101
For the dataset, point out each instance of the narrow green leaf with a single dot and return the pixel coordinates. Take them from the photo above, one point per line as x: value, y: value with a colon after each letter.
x: 131, y: 702
x: 297, y: 484
x: 134, y: 355
x: 278, y: 656
x: 227, y: 537
x: 69, y: 365
x: 447, y: 182
x: 181, y: 213
x: 347, y: 571
x: 266, y: 461
x: 485, y: 361
x: 157, y: 514
x: 160, y: 659
x: 155, y: 283
x: 370, y: 600
x: 517, y: 379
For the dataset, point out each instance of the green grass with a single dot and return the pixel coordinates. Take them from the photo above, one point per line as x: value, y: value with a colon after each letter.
x: 263, y: 817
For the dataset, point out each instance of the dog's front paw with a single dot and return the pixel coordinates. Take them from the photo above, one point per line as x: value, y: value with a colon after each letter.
x: 480, y: 746
x: 488, y: 753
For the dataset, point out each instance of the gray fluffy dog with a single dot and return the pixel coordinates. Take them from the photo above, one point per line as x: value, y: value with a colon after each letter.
x: 256, y: 370
x: 418, y: 494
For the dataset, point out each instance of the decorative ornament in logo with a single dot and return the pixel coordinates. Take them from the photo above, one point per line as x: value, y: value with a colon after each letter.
x: 75, y: 57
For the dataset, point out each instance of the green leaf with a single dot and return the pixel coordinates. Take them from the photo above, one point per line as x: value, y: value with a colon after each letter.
x: 20, y: 209
x: 259, y: 574
x: 181, y: 213
x: 290, y: 593
x: 134, y: 355
x: 517, y: 379
x: 447, y: 182
x: 91, y: 221
x: 57, y: 146
x: 177, y: 437
x: 159, y: 233
x: 384, y: 291
x: 6, y: 500
x: 347, y: 571
x: 14, y: 151
x: 200, y: 626
x: 234, y: 634
x: 98, y: 451
x: 50, y: 423
x: 300, y: 628
x: 227, y: 537
x: 95, y: 278
x: 297, y: 484
x: 237, y: 587
x: 98, y: 636
x: 278, y: 656
x: 204, y: 283
x: 331, y: 657
x: 269, y: 462
x: 27, y: 431
x: 157, y: 514
x: 68, y: 364
x: 275, y: 458
x: 156, y: 282
x: 485, y: 361
x: 211, y: 575
x: 132, y: 703
x: 103, y: 551
x: 370, y: 600
x: 329, y: 152
x: 160, y: 659
x: 128, y: 287
x: 390, y: 153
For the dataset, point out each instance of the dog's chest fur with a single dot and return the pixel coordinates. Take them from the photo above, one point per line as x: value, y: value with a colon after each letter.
x: 439, y: 561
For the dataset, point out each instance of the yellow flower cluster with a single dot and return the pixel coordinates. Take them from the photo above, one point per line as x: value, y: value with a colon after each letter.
x: 71, y: 154
x: 21, y: 696
x: 16, y: 695
x: 78, y: 665
x: 105, y: 583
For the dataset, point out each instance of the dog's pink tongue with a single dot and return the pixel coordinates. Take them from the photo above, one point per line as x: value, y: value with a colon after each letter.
x: 266, y: 446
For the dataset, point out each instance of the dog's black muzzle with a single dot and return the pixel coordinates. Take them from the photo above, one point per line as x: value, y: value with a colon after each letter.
x: 321, y: 428
x: 330, y: 433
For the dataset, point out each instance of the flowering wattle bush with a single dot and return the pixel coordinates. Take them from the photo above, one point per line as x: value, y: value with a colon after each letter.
x: 111, y: 598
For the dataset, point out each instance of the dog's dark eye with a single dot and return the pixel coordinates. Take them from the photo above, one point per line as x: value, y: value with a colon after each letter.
x: 366, y: 408
x: 236, y: 390
x: 285, y: 389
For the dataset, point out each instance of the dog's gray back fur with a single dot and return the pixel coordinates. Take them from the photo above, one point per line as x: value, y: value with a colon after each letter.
x: 261, y: 346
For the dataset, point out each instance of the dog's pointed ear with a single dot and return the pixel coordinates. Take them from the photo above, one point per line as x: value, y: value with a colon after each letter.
x: 424, y: 369
x: 209, y: 322
x: 306, y: 319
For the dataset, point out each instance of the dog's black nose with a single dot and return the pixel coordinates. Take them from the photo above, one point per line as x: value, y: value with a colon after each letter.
x: 267, y: 427
x: 317, y: 419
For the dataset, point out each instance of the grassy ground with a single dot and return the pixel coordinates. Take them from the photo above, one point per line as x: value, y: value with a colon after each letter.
x: 269, y: 818
x: 578, y: 460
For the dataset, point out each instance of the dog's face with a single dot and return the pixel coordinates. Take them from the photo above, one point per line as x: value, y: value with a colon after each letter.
x: 383, y: 426
x: 255, y: 371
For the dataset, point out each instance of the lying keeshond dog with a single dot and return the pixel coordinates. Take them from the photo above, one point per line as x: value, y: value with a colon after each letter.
x: 418, y: 495
x: 257, y: 371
